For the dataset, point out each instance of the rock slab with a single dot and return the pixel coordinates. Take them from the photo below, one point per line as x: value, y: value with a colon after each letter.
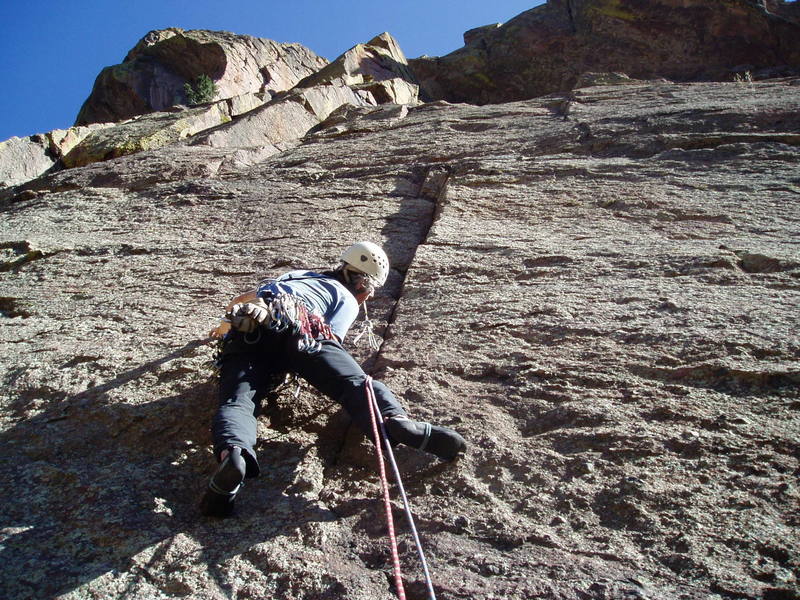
x: 152, y: 76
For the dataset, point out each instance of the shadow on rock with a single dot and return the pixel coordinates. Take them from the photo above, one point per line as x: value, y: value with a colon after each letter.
x: 94, y: 487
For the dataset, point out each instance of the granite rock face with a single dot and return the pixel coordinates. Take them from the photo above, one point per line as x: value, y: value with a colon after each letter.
x: 367, y: 75
x: 146, y: 132
x: 598, y: 289
x: 285, y: 119
x: 545, y: 49
x: 152, y: 76
x: 379, y: 59
x: 23, y: 159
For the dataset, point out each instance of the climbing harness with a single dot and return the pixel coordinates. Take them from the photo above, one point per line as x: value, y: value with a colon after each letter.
x: 377, y: 419
x: 286, y: 313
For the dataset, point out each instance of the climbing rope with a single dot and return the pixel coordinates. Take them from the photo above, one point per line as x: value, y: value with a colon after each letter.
x: 377, y: 419
x: 398, y: 576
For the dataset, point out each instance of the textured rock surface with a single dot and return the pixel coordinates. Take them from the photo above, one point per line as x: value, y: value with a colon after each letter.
x: 284, y: 119
x: 599, y: 290
x: 62, y: 141
x: 380, y: 59
x: 247, y: 102
x: 545, y: 49
x: 146, y: 132
x: 367, y: 75
x: 22, y: 159
x: 152, y: 76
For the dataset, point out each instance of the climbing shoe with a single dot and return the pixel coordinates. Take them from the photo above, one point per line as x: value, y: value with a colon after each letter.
x: 218, y: 500
x: 439, y: 441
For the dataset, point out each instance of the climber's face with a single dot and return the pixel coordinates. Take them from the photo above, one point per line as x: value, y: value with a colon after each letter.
x: 364, y: 295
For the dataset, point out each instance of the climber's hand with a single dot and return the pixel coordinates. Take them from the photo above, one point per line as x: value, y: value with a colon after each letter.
x: 248, y: 316
x: 220, y: 330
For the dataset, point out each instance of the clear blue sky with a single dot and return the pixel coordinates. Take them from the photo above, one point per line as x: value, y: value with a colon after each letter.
x: 52, y: 50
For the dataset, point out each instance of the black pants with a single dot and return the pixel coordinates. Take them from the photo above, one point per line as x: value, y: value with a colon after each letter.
x: 249, y: 364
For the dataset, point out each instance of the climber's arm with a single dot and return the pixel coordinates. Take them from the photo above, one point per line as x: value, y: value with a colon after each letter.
x: 242, y: 299
x: 224, y: 325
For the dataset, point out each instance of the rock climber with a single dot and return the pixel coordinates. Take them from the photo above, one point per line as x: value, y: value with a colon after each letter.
x: 296, y: 324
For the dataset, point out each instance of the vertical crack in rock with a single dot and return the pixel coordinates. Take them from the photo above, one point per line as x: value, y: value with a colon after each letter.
x: 433, y: 186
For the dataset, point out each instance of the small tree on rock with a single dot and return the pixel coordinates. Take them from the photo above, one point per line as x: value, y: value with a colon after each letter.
x: 201, y: 91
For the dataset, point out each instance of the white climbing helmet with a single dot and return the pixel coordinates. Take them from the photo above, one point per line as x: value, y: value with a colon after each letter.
x: 368, y: 258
